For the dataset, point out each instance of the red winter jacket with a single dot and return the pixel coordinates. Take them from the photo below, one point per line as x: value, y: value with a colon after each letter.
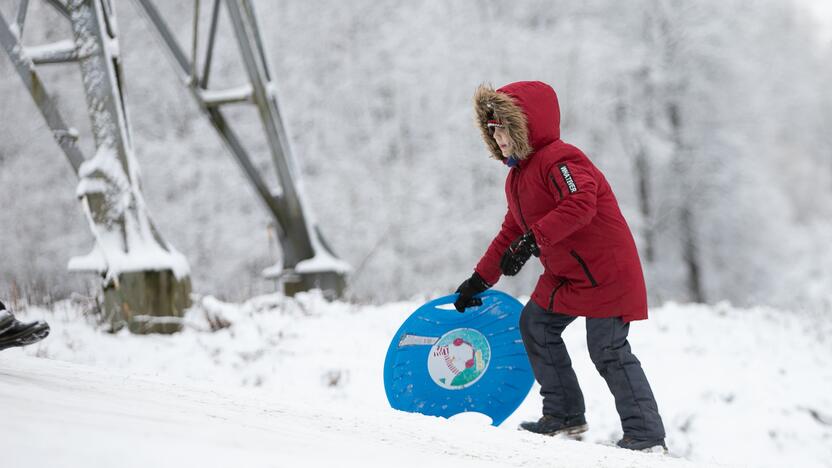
x: 591, y: 265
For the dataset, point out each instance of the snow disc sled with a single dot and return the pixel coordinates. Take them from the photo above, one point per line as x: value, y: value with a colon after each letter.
x: 442, y: 362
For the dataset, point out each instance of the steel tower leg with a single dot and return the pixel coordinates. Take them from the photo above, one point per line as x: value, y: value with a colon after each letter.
x: 146, y: 281
x: 307, y: 261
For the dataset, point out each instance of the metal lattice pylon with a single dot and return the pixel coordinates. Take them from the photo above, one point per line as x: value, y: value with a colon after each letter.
x: 307, y: 261
x: 146, y: 282
x: 145, y: 290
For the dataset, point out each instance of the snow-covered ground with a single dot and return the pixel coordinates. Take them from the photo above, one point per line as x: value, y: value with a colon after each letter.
x: 59, y: 414
x: 298, y: 382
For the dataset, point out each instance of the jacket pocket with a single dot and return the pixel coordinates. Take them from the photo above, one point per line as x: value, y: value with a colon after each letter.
x: 584, y: 267
x: 552, y: 296
x: 557, y: 187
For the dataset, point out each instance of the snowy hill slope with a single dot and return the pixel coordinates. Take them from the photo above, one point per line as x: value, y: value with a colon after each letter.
x: 59, y: 414
x: 735, y: 387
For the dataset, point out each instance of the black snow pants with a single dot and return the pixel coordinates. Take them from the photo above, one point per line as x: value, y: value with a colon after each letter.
x: 610, y: 352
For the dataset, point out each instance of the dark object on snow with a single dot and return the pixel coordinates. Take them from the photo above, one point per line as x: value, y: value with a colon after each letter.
x: 553, y: 425
x: 467, y: 290
x: 609, y: 350
x: 645, y: 445
x: 16, y: 333
x: 518, y: 253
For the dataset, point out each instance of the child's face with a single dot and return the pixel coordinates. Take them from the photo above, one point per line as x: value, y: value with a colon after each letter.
x: 503, y: 140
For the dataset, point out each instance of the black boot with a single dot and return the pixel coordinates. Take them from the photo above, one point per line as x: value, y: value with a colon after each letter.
x: 6, y: 318
x: 16, y: 333
x: 553, y: 425
x: 644, y: 445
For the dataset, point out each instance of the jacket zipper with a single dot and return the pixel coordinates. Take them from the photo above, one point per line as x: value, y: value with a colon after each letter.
x: 517, y: 198
x: 552, y: 296
x: 556, y: 186
x: 586, y: 268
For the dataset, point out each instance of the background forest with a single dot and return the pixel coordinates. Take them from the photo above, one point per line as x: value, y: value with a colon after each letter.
x: 710, y: 119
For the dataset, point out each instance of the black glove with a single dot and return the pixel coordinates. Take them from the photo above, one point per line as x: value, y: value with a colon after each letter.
x: 467, y: 290
x: 518, y: 253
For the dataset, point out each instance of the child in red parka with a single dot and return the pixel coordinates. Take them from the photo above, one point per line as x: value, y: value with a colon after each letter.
x: 562, y: 210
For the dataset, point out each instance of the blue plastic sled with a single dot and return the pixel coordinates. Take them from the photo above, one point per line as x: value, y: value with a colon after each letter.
x: 443, y: 363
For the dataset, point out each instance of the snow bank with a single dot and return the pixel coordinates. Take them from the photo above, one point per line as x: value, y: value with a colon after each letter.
x: 65, y: 414
x: 735, y: 386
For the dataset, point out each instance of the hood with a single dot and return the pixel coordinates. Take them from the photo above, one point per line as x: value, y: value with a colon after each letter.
x: 528, y: 110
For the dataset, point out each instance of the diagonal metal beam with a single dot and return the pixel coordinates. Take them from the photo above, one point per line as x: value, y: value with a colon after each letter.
x: 233, y: 143
x: 65, y: 136
x: 149, y: 9
x: 248, y: 8
x: 21, y: 16
x: 194, y: 42
x: 60, y: 6
x: 209, y: 50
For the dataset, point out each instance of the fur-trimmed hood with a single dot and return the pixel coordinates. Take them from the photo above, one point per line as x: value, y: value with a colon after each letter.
x: 528, y: 110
